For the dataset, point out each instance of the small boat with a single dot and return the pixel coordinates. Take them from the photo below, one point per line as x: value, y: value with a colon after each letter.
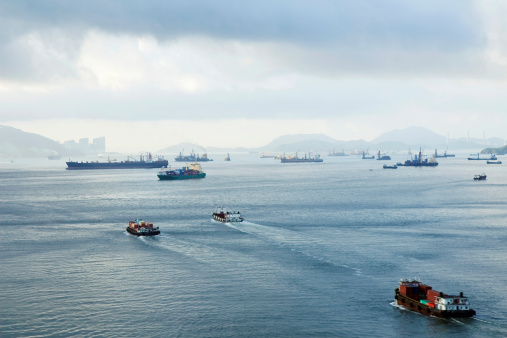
x: 227, y: 158
x: 494, y: 162
x: 416, y: 296
x: 480, y: 177
x: 394, y: 166
x: 142, y: 228
x: 224, y: 216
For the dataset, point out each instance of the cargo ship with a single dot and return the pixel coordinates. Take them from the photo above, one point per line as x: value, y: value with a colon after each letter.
x: 383, y: 157
x: 444, y: 155
x: 494, y: 162
x: 337, y: 153
x: 185, y: 158
x: 419, y: 162
x: 295, y: 159
x: 367, y: 157
x: 221, y: 215
x: 418, y: 297
x: 142, y: 228
x: 144, y: 162
x: 187, y: 172
x: 478, y: 158
x: 394, y: 166
x: 203, y: 158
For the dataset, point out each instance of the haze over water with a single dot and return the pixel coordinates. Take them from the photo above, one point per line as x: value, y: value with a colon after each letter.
x: 320, y: 253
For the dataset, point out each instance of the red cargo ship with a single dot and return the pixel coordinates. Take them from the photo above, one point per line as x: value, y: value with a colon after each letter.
x: 421, y: 298
x: 142, y: 228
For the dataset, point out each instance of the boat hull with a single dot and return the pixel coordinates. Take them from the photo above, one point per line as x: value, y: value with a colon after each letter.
x: 180, y: 177
x: 150, y: 233
x: 424, y: 309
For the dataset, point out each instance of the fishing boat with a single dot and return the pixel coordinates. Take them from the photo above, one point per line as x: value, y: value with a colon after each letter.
x: 480, y: 177
x: 187, y: 172
x: 224, y: 216
x: 416, y: 296
x: 144, y: 162
x: 142, y: 228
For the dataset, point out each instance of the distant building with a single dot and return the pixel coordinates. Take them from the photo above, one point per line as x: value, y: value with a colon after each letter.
x: 99, y: 144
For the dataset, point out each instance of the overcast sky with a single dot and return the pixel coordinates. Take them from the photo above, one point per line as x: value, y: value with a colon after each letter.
x: 149, y: 74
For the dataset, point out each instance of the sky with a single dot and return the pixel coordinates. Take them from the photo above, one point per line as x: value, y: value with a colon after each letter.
x: 155, y: 73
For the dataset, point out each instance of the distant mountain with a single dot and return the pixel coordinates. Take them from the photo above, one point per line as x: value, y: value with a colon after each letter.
x: 184, y: 148
x: 17, y: 143
x: 412, y: 136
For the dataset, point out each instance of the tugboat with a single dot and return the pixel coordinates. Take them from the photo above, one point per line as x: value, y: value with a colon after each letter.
x: 142, y: 228
x: 480, y: 177
x: 421, y: 298
x: 224, y: 216
x: 194, y: 171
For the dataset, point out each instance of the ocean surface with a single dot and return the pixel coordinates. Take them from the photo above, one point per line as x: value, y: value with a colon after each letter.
x: 320, y: 253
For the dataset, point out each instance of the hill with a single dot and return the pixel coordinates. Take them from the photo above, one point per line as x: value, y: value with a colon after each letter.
x: 17, y: 143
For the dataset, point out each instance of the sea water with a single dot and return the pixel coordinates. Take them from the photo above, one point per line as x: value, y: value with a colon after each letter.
x: 320, y: 252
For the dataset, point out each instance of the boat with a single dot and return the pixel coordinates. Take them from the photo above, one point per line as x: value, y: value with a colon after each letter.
x: 185, y: 158
x: 295, y: 159
x: 356, y: 152
x: 419, y: 162
x: 444, y: 155
x: 144, y: 162
x: 367, y: 157
x: 494, y: 162
x: 418, y: 297
x: 394, y: 166
x: 224, y: 216
x: 187, y: 172
x: 383, y: 157
x: 267, y: 155
x: 478, y: 158
x: 203, y: 158
x: 227, y: 158
x: 337, y: 153
x: 480, y: 177
x: 142, y: 228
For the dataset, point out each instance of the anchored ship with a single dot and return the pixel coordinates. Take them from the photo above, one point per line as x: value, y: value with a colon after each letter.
x: 337, y: 153
x: 383, y: 157
x: 444, y: 155
x: 225, y: 216
x: 419, y: 162
x: 478, y: 158
x: 367, y: 157
x: 144, y: 162
x: 419, y: 297
x: 187, y: 172
x: 227, y: 158
x: 142, y: 228
x: 295, y: 159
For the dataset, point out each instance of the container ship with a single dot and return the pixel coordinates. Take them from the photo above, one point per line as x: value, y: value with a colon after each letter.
x: 187, y: 172
x: 144, y: 162
x: 419, y: 162
x: 142, y: 228
x: 295, y: 159
x: 421, y: 298
x: 224, y: 216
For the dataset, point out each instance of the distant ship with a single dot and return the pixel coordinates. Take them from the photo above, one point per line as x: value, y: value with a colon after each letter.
x: 203, y: 158
x: 356, y: 152
x: 419, y: 162
x: 367, y: 157
x: 337, y: 153
x: 187, y: 172
x: 295, y: 159
x: 480, y: 177
x: 478, y: 158
x: 145, y: 162
x: 444, y: 155
x: 416, y: 296
x: 227, y: 158
x: 192, y: 158
x: 394, y: 166
x: 383, y: 157
x: 494, y: 162
x: 142, y: 228
x: 267, y: 155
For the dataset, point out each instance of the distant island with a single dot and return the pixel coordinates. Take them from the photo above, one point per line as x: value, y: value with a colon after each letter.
x: 496, y: 151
